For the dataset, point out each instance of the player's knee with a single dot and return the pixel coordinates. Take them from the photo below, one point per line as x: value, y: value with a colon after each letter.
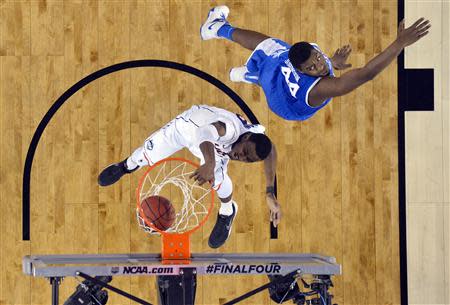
x: 225, y: 188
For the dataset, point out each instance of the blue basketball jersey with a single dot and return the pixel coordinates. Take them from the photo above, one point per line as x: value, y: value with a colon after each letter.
x: 286, y: 88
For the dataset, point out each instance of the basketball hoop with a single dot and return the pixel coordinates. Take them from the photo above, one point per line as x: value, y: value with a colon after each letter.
x: 193, y: 203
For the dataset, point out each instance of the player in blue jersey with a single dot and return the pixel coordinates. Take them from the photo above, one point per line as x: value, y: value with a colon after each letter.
x: 299, y: 80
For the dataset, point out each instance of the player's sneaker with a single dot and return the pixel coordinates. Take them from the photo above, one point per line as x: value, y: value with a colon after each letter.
x: 113, y: 173
x: 217, y: 17
x: 222, y: 229
x: 238, y: 74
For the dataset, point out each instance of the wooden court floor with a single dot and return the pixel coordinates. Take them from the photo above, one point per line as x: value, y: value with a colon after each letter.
x: 337, y: 172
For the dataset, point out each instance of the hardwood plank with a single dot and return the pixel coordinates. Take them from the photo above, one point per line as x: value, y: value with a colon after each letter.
x: 81, y: 133
x: 426, y: 253
x: 358, y: 198
x: 15, y: 28
x: 446, y: 207
x: 47, y: 30
x: 14, y: 138
x: 446, y: 97
x: 385, y: 161
x: 47, y: 178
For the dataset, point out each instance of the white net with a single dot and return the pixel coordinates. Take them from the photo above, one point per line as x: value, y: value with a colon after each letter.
x: 170, y: 179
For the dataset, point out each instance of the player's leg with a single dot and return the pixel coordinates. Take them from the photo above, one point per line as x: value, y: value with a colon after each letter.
x: 227, y: 211
x: 217, y: 26
x: 161, y: 144
x: 248, y: 39
x: 264, y: 47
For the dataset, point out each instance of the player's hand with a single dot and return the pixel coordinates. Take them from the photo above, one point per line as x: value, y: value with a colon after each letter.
x: 340, y: 57
x: 205, y: 173
x: 416, y: 31
x: 275, y: 209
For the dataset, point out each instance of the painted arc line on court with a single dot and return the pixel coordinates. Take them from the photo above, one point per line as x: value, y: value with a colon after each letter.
x: 26, y: 183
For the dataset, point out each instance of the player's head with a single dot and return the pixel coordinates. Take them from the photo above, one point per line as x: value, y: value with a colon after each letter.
x: 251, y: 147
x: 308, y: 60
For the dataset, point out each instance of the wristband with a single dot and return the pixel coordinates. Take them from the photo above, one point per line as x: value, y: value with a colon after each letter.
x: 270, y: 190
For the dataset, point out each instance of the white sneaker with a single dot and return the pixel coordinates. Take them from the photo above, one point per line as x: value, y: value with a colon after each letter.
x: 217, y: 17
x: 238, y: 74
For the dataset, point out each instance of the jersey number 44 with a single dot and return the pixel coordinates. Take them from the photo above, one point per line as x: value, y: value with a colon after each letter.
x: 293, y: 87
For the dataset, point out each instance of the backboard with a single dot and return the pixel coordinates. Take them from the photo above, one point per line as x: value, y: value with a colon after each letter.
x: 177, y: 278
x: 203, y: 263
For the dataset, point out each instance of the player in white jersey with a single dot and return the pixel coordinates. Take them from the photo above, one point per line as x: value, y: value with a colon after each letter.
x: 215, y: 136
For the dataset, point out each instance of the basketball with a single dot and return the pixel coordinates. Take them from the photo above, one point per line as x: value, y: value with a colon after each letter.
x: 159, y: 211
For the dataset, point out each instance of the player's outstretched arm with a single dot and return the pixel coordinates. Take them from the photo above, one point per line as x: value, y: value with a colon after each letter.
x: 331, y: 87
x: 270, y: 165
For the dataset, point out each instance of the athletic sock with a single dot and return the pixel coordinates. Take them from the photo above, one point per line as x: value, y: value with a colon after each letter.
x: 226, y: 31
x: 130, y: 165
x: 226, y: 208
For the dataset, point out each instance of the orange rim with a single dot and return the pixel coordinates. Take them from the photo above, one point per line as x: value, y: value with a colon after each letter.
x: 138, y: 189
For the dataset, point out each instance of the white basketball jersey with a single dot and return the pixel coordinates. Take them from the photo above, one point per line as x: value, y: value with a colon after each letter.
x: 200, y: 115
